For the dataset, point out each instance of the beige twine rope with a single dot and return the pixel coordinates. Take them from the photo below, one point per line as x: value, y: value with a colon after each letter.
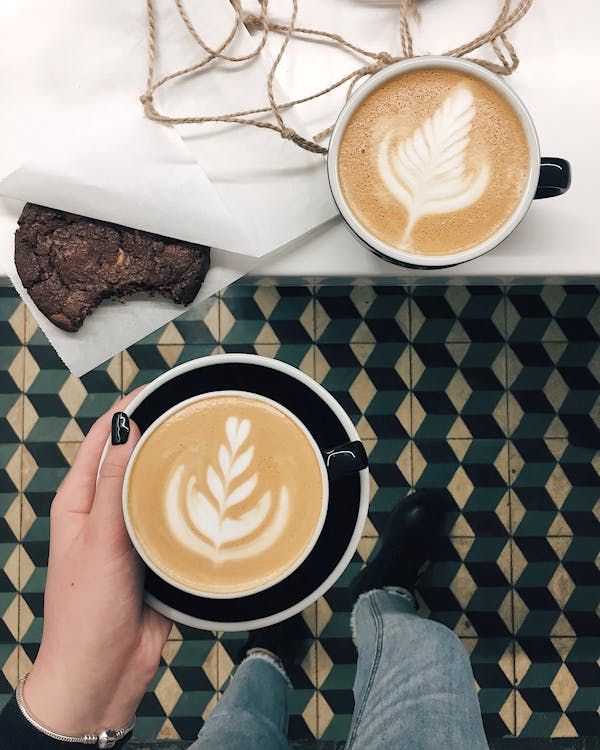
x: 495, y: 36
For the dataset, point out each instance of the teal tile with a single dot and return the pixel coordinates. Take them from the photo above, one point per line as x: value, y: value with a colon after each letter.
x: 9, y: 301
x: 57, y: 397
x: 467, y: 586
x: 387, y: 375
x: 555, y: 487
x: 147, y: 727
x: 6, y: 651
x: 557, y: 679
x: 190, y: 327
x: 370, y: 383
x: 298, y: 700
x: 389, y: 464
x: 48, y: 467
x: 578, y: 316
x: 147, y: 357
x: 568, y: 313
x: 553, y: 386
x: 190, y: 706
x: 48, y: 382
x: 338, y: 318
x: 492, y: 660
x: 474, y: 473
x: 455, y: 390
x: 7, y: 356
x: 8, y: 488
x: 196, y: 325
x: 266, y: 314
x: 338, y: 728
x: 48, y: 429
x: 558, y: 586
x: 361, y: 314
x: 457, y: 314
x: 459, y: 390
x: 7, y: 499
x: 531, y: 314
x: 336, y: 640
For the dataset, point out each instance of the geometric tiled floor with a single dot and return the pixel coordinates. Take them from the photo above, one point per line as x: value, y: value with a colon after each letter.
x: 469, y: 388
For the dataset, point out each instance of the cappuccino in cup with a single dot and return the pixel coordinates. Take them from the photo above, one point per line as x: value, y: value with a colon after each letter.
x: 434, y: 161
x: 225, y: 494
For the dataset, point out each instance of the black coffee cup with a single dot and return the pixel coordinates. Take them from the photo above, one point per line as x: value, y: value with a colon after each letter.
x: 347, y: 475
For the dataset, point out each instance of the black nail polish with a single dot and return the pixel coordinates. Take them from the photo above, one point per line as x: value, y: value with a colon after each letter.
x: 119, y: 433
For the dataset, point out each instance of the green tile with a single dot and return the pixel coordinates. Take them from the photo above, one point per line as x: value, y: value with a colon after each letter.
x: 7, y: 357
x: 338, y: 728
x: 467, y: 588
x: 9, y: 301
x: 457, y: 314
x: 389, y: 463
x: 557, y: 682
x: 558, y: 585
x: 339, y: 318
x: 553, y: 386
x: 430, y: 394
x: 474, y: 473
x: 555, y: 486
x: 147, y: 727
x: 6, y: 689
x: 459, y: 390
x: 267, y: 314
x: 493, y: 668
x: 298, y: 700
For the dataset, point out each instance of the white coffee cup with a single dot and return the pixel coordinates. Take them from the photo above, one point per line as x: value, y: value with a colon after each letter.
x: 547, y: 176
x: 336, y: 461
x: 140, y: 447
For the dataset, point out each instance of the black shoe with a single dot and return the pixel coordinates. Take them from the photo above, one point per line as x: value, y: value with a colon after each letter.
x: 284, y: 640
x: 407, y: 543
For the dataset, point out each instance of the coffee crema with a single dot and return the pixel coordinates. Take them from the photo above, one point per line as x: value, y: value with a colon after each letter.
x: 434, y: 162
x: 225, y: 495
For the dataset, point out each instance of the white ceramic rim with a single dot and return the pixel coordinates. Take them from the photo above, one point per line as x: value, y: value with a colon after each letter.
x: 348, y: 425
x: 160, y: 420
x: 397, y: 69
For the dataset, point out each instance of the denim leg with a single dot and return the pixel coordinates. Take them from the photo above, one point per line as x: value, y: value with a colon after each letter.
x: 414, y: 687
x: 252, y: 714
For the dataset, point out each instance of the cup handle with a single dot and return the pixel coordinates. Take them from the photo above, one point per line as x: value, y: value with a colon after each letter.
x: 345, y: 459
x: 555, y: 177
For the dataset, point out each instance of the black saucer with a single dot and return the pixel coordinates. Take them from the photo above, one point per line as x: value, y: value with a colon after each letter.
x: 344, y: 501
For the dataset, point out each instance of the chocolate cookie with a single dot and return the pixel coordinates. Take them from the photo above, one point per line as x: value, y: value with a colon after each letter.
x: 69, y: 264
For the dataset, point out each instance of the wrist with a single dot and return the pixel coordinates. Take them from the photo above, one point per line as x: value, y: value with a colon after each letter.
x: 71, y: 709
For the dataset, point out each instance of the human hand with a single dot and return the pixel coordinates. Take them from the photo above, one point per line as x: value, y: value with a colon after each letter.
x: 101, y: 644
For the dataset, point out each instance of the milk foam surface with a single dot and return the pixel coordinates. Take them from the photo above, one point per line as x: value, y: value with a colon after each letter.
x: 434, y: 162
x: 225, y: 495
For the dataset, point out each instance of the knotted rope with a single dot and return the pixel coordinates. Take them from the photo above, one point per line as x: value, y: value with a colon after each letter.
x: 507, y: 61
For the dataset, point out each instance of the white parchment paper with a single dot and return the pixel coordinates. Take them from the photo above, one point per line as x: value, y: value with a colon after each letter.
x: 74, y: 135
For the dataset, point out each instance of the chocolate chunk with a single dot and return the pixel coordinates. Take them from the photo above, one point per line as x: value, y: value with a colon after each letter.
x: 69, y: 264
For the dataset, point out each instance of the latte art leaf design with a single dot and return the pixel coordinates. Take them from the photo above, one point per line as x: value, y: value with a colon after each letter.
x: 426, y: 172
x: 211, y: 504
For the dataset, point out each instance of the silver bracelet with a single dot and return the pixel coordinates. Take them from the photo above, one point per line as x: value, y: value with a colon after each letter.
x: 104, y: 740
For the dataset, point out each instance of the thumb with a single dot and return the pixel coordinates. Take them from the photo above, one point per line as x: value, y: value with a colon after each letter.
x: 107, y: 507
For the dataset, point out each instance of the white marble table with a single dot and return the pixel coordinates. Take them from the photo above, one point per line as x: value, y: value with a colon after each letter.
x: 559, y: 80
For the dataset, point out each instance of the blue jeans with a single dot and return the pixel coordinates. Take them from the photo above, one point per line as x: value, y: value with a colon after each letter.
x: 414, y: 689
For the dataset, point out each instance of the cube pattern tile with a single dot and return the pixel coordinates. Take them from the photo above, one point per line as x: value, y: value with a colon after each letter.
x: 469, y: 389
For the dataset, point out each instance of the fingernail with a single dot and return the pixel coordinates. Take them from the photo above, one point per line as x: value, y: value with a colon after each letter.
x: 119, y: 433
